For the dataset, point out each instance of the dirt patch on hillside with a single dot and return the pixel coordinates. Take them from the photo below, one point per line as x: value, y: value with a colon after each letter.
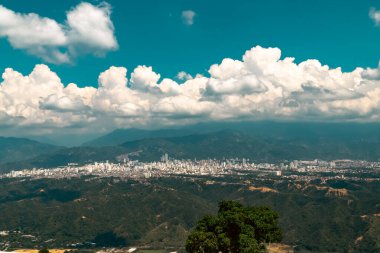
x: 262, y: 189
x: 342, y: 192
x: 36, y: 251
x: 279, y: 248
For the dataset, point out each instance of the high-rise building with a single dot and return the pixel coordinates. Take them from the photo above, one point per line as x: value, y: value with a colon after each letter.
x: 165, y: 158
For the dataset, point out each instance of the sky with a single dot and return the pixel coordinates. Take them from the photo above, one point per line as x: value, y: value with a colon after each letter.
x: 87, y: 67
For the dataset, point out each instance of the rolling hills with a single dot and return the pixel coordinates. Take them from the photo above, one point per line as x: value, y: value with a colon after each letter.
x: 160, y: 212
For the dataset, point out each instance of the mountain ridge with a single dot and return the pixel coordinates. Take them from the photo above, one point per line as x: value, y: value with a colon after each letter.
x: 286, y: 130
x: 120, y: 136
x: 215, y: 145
x: 13, y: 149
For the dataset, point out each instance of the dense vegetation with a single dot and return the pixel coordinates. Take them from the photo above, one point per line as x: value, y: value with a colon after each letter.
x: 160, y: 212
x: 235, y: 229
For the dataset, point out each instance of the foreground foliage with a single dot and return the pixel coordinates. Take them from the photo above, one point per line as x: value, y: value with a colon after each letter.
x: 235, y: 229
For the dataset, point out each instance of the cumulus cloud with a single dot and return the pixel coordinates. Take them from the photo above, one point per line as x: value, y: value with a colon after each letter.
x: 262, y: 85
x: 373, y: 74
x: 375, y: 16
x: 91, y: 28
x: 88, y: 29
x: 188, y: 17
x: 182, y: 75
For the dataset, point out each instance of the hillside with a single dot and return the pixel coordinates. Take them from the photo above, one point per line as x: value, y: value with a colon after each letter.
x: 61, y: 157
x: 231, y: 144
x: 308, y: 132
x: 60, y: 212
x: 16, y: 149
x: 120, y: 136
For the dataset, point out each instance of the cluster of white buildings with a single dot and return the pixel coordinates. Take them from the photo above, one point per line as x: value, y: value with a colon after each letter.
x: 330, y: 166
x: 135, y: 169
x: 169, y: 167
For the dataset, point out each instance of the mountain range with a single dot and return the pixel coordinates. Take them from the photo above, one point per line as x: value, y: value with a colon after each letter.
x: 307, y: 131
x: 261, y: 142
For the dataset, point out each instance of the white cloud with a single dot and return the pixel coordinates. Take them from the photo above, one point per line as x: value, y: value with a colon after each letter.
x: 88, y: 29
x: 182, y: 75
x: 144, y: 78
x: 262, y: 85
x: 375, y: 16
x: 188, y: 17
x: 91, y: 28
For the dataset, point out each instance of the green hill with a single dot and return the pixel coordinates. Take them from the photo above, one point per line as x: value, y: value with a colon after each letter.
x: 16, y: 149
x: 160, y: 213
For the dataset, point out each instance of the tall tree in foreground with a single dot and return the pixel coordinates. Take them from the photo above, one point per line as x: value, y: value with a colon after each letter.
x: 235, y: 229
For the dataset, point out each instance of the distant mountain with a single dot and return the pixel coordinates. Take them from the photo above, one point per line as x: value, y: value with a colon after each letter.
x: 260, y: 142
x: 304, y: 131
x: 201, y: 146
x: 120, y: 136
x: 231, y: 144
x: 16, y: 149
x: 61, y: 157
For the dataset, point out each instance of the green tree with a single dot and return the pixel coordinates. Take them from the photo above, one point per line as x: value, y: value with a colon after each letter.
x: 235, y: 229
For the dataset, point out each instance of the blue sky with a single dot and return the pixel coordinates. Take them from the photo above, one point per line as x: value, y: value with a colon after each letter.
x: 151, y: 32
x: 82, y: 68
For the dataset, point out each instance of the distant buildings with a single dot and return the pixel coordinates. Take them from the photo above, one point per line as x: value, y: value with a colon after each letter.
x: 165, y: 158
x: 295, y: 170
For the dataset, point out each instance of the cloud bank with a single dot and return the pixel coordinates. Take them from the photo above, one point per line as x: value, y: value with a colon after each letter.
x: 260, y: 86
x: 88, y: 29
